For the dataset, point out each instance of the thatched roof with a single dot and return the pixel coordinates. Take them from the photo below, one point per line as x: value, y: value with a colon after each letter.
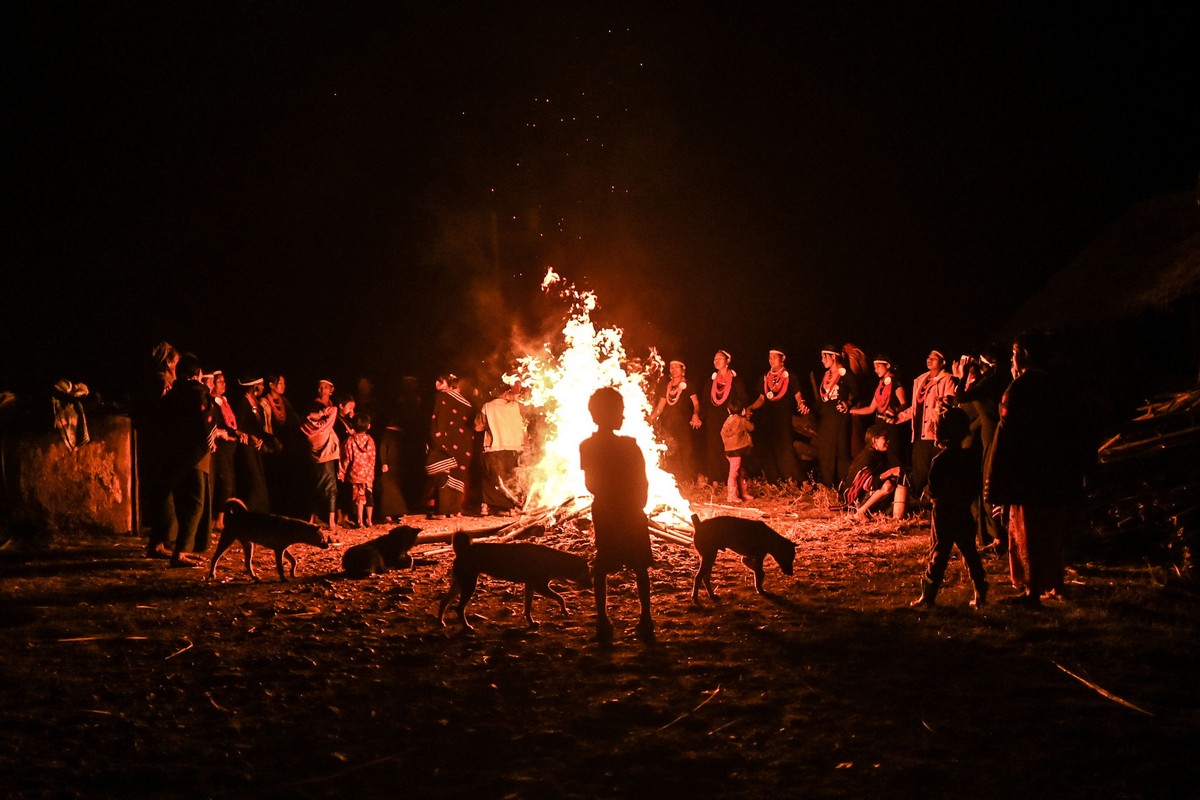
x: 1147, y: 259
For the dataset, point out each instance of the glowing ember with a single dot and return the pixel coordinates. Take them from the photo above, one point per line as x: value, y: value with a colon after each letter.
x: 561, y: 379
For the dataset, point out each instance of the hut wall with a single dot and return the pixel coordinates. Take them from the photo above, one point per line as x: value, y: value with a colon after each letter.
x: 63, y: 490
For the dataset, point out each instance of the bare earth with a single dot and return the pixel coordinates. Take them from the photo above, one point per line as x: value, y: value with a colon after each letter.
x: 122, y: 677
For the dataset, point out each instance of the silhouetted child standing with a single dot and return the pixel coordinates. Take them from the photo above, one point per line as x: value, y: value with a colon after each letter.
x: 735, y: 436
x: 953, y: 487
x: 615, y: 473
x: 358, y: 468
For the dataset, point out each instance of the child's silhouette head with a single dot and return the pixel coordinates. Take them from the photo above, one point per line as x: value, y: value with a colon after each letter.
x: 362, y: 423
x: 607, y: 408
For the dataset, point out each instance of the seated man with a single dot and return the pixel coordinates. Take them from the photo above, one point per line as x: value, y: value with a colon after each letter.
x: 876, y: 474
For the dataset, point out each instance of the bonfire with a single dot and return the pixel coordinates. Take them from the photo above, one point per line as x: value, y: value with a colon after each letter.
x: 560, y: 378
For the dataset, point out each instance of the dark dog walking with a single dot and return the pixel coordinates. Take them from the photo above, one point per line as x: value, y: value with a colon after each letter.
x: 272, y: 531
x: 382, y: 553
x: 751, y: 539
x: 534, y: 565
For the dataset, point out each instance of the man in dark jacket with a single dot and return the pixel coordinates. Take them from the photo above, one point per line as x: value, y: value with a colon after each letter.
x: 190, y: 432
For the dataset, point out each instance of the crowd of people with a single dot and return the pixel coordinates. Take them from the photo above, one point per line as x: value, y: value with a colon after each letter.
x: 995, y: 451
x: 983, y: 446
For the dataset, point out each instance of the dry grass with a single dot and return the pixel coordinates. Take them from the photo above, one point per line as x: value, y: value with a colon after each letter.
x: 157, y: 683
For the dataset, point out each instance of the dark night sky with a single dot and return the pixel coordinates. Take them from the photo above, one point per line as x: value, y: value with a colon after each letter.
x: 336, y: 188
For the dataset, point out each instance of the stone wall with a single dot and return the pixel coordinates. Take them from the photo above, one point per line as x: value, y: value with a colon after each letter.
x: 53, y: 487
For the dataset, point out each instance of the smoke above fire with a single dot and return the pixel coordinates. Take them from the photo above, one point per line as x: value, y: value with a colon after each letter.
x: 560, y: 378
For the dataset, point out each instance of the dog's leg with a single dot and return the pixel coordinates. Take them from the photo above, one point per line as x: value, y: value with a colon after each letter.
x: 222, y: 545
x: 704, y: 575
x: 468, y: 590
x: 545, y: 591
x: 529, y: 593
x: 280, y: 555
x: 755, y: 565
x: 451, y: 593
x: 248, y: 551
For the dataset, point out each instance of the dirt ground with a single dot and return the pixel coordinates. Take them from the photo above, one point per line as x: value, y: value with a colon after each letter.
x: 122, y: 677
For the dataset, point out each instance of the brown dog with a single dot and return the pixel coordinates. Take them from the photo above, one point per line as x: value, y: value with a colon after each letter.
x: 751, y: 539
x: 272, y: 531
x: 535, y: 565
x: 382, y: 553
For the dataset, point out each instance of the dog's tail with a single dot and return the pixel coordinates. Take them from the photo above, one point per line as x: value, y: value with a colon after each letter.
x: 695, y: 521
x: 235, y: 506
x: 462, y: 541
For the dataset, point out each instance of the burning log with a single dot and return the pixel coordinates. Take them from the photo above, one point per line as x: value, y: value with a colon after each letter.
x: 546, y: 518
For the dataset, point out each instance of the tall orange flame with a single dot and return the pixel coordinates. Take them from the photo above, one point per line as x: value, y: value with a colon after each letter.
x: 561, y: 378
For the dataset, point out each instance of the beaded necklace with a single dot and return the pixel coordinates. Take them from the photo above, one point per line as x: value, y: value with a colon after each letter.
x: 722, y: 388
x: 674, y: 392
x: 775, y: 383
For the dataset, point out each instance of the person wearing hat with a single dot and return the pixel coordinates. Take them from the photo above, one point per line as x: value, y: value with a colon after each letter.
x: 678, y: 410
x: 933, y: 394
x: 723, y: 386
x: 777, y: 397
x: 953, y: 489
x: 834, y: 397
x: 249, y: 477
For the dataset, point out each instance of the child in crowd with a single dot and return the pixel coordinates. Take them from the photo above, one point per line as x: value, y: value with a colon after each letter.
x: 614, y: 471
x: 735, y: 435
x: 953, y: 487
x: 358, y: 468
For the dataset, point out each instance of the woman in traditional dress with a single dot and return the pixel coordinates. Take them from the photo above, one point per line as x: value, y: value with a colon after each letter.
x: 448, y: 459
x: 835, y: 392
x: 679, y: 411
x: 887, y: 402
x: 723, y: 386
x: 773, y: 428
x: 286, y: 459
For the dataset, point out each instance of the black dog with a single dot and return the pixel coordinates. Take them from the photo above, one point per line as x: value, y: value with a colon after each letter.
x: 535, y: 565
x: 381, y: 554
x: 272, y: 531
x: 751, y: 539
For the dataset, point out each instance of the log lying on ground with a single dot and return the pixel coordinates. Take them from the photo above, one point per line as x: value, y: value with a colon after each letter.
x: 545, y: 518
x: 670, y: 534
x: 448, y: 536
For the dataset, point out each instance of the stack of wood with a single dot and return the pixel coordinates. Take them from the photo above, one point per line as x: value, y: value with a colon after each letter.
x: 665, y: 524
x: 1147, y: 483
